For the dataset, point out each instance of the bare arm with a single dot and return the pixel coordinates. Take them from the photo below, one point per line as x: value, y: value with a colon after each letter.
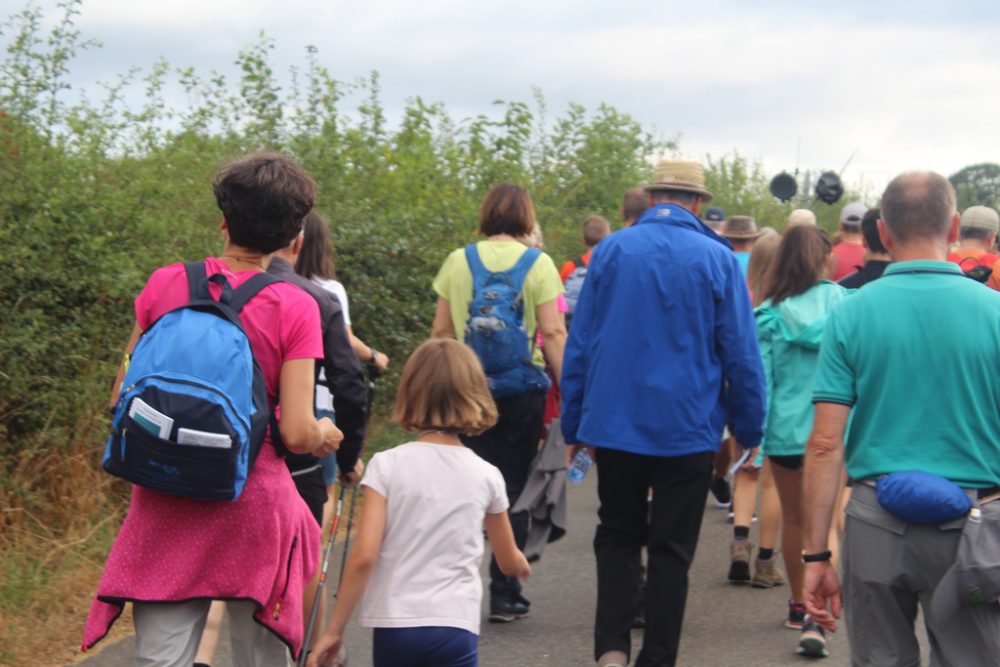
x: 300, y: 431
x: 364, y: 352
x: 552, y: 326
x: 510, y: 559
x: 824, y: 460
x: 442, y: 327
x: 357, y: 571
x: 129, y: 347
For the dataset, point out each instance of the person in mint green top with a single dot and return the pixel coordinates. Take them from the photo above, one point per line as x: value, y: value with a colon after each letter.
x: 790, y: 325
x: 917, y: 355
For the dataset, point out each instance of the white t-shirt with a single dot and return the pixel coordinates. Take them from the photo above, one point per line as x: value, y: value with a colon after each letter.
x: 335, y: 288
x: 324, y: 399
x: 427, y: 572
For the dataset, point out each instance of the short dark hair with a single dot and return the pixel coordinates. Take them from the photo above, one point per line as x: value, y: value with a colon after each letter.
x: 869, y: 230
x: 682, y: 197
x: 918, y: 205
x: 315, y: 259
x: 595, y: 228
x: 264, y: 198
x: 507, y: 209
x: 634, y: 203
x: 975, y: 234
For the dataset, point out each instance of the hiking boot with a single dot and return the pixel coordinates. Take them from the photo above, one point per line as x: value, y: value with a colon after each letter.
x: 739, y: 556
x: 796, y: 616
x: 812, y: 641
x: 613, y: 659
x: 720, y: 489
x: 766, y: 574
x: 504, y: 609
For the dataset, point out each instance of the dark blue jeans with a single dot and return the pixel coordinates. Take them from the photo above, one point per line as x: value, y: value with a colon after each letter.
x: 424, y: 647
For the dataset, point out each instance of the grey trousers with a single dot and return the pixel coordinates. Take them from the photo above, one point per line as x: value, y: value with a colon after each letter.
x: 891, y: 567
x: 167, y: 635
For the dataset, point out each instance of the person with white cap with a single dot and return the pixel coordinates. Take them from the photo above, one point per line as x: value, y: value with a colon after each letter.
x: 663, y: 324
x: 801, y: 216
x: 977, y: 241
x: 921, y: 446
x: 850, y: 251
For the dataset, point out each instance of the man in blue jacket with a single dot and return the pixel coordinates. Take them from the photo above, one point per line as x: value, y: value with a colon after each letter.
x: 662, y: 335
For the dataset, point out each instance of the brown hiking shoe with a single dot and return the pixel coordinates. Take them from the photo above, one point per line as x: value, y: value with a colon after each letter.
x: 739, y: 566
x: 766, y: 574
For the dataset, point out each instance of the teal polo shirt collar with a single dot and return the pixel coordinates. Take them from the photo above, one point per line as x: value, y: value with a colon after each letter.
x: 923, y: 266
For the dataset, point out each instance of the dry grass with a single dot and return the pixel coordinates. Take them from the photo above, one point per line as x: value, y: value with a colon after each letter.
x: 60, y: 514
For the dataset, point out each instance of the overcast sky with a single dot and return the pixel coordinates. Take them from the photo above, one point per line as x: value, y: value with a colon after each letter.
x: 908, y: 84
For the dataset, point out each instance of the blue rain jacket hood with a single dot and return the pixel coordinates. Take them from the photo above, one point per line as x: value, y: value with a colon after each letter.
x: 663, y: 325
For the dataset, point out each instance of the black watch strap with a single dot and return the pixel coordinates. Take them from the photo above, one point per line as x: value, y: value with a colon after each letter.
x: 820, y: 557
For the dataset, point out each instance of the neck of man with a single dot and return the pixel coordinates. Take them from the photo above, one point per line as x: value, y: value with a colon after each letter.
x: 850, y: 237
x: 920, y: 250
x: 974, y: 244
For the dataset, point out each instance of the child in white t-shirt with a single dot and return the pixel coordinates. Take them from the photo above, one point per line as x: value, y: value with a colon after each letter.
x: 420, y: 544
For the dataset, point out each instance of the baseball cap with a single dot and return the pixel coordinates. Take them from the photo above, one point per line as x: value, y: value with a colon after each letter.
x: 801, y: 216
x: 852, y: 213
x: 974, y: 579
x: 714, y: 215
x: 981, y: 217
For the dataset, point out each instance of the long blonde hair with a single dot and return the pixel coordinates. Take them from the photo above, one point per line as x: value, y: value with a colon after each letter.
x: 762, y: 260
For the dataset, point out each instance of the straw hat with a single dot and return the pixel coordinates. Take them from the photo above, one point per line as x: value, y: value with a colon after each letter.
x: 740, y: 228
x: 682, y: 175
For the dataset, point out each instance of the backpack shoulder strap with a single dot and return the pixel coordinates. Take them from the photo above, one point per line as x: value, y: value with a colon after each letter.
x: 479, y: 271
x: 195, y: 275
x: 520, y: 270
x: 249, y: 289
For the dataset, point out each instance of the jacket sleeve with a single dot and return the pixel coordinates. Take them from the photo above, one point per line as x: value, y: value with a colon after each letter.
x: 765, y: 340
x: 346, y: 381
x: 736, y: 340
x: 575, y: 357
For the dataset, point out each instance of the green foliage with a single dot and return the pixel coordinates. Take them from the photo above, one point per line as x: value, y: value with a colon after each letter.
x: 977, y: 184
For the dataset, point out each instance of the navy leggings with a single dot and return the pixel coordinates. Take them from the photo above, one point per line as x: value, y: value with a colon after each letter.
x: 424, y: 647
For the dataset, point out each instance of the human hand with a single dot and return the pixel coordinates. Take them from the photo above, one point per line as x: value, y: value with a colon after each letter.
x: 750, y: 464
x: 571, y: 451
x: 523, y: 568
x: 324, y: 651
x: 354, y: 476
x: 821, y: 586
x: 332, y: 437
x: 380, y: 362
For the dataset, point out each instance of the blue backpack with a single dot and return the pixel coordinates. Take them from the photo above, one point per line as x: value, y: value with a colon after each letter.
x: 193, y: 412
x: 495, y: 329
x: 574, y: 285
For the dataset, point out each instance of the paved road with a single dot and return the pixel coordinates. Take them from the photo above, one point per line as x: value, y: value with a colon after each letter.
x: 726, y: 626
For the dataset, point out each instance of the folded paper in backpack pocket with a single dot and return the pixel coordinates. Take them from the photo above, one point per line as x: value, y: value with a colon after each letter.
x: 150, y: 418
x: 189, y: 436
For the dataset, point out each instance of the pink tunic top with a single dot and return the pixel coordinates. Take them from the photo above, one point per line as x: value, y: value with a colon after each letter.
x: 264, y: 546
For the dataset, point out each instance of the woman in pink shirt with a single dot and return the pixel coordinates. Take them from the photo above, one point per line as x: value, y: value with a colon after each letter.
x: 258, y: 551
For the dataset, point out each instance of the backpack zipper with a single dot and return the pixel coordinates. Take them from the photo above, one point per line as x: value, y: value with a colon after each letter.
x: 288, y: 577
x: 191, y: 383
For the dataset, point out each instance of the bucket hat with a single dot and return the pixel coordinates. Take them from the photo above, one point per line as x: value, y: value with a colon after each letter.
x: 740, y: 228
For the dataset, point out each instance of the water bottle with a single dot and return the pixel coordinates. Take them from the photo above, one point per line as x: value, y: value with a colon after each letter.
x: 579, y: 466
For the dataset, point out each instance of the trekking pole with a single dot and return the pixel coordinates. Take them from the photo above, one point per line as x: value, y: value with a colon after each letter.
x: 347, y: 537
x: 322, y: 576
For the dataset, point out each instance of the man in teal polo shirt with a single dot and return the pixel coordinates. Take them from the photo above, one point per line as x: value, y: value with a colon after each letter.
x: 917, y: 356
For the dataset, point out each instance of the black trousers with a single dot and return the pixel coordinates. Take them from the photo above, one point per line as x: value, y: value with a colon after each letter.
x: 669, y: 529
x: 511, y: 445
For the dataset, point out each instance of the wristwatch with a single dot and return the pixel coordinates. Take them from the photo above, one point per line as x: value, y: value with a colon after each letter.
x: 374, y: 359
x: 821, y: 557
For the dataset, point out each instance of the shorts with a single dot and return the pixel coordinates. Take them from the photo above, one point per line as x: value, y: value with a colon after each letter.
x: 420, y: 646
x: 329, y: 462
x: 312, y: 489
x: 793, y: 462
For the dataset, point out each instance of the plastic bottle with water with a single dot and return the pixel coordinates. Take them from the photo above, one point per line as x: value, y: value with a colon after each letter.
x: 579, y: 466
